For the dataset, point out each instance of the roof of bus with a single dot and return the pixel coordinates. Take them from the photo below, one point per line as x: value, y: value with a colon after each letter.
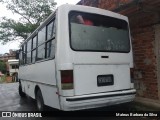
x: 80, y: 7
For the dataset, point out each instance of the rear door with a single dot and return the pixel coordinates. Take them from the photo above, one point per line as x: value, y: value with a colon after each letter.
x: 101, y: 53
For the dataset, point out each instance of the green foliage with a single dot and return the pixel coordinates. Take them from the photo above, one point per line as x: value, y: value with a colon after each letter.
x: 2, y: 67
x: 3, y: 79
x: 31, y: 15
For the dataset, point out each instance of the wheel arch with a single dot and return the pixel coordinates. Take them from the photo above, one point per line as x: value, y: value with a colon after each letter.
x: 36, y: 90
x: 38, y: 93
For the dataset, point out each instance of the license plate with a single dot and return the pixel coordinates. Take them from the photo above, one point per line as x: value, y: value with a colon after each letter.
x: 105, y: 80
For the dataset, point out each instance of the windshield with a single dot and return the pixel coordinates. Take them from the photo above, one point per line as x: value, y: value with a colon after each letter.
x: 92, y: 32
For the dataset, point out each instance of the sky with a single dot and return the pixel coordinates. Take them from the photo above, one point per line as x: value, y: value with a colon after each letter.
x: 4, y: 12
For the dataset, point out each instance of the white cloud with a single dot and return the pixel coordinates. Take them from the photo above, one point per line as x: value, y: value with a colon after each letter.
x: 11, y: 45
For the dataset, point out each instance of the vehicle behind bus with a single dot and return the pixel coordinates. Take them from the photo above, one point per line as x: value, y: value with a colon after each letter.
x: 86, y: 61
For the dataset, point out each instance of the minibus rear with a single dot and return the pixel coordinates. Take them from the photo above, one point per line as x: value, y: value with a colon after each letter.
x: 93, y: 60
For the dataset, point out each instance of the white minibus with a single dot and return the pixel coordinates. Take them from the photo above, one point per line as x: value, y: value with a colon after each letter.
x: 79, y: 58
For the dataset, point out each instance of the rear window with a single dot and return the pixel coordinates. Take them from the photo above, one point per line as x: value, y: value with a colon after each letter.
x: 92, y: 32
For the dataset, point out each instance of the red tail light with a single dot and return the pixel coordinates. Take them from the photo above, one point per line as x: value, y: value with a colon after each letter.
x: 67, y: 79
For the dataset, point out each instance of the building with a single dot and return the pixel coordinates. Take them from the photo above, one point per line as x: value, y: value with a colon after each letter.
x: 8, y: 56
x: 13, y: 66
x: 13, y: 69
x: 11, y: 55
x: 144, y: 18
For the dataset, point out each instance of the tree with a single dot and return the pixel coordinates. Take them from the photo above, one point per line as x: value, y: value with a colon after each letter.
x: 31, y: 15
x: 3, y: 67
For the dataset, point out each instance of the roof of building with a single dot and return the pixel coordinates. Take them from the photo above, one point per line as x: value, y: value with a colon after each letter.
x: 13, y: 60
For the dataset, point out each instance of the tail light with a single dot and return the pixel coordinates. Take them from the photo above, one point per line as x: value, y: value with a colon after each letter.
x: 67, y: 79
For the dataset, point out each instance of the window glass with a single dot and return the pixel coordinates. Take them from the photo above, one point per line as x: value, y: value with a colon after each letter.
x: 34, y: 43
x: 42, y: 36
x: 50, y: 30
x: 33, y: 56
x: 15, y: 66
x: 24, y: 53
x: 20, y: 57
x: 41, y: 52
x: 50, y: 49
x: 92, y: 32
x: 29, y: 57
x: 24, y: 48
x: 29, y: 45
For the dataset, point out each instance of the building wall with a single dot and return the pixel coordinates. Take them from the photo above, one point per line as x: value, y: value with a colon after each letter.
x: 112, y: 4
x: 142, y: 24
x: 13, y: 70
x: 105, y: 4
x: 93, y: 3
x: 145, y: 74
x: 157, y: 50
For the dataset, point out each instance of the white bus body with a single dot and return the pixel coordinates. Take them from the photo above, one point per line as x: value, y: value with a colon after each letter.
x: 74, y: 79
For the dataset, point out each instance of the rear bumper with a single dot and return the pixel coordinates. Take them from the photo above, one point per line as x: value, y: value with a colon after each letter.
x: 97, y: 100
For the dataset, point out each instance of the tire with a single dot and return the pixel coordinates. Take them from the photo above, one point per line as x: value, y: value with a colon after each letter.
x: 39, y: 101
x: 21, y: 93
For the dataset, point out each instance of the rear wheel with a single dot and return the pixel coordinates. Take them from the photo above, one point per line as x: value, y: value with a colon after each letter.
x: 39, y: 101
x: 21, y: 93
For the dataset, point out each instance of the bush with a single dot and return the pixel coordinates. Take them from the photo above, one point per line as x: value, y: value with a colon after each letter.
x: 3, y: 68
x: 3, y: 79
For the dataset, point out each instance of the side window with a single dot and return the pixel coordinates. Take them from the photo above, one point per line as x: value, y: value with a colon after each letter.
x: 41, y: 44
x: 50, y: 30
x: 50, y: 49
x: 29, y: 45
x: 24, y: 53
x: 34, y: 42
x: 14, y: 66
x: 50, y: 43
x: 41, y: 52
x: 20, y: 57
x: 42, y: 36
x: 29, y: 51
x: 34, y: 45
x: 33, y: 56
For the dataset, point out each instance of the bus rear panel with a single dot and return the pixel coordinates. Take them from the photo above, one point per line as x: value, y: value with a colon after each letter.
x: 94, y: 66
